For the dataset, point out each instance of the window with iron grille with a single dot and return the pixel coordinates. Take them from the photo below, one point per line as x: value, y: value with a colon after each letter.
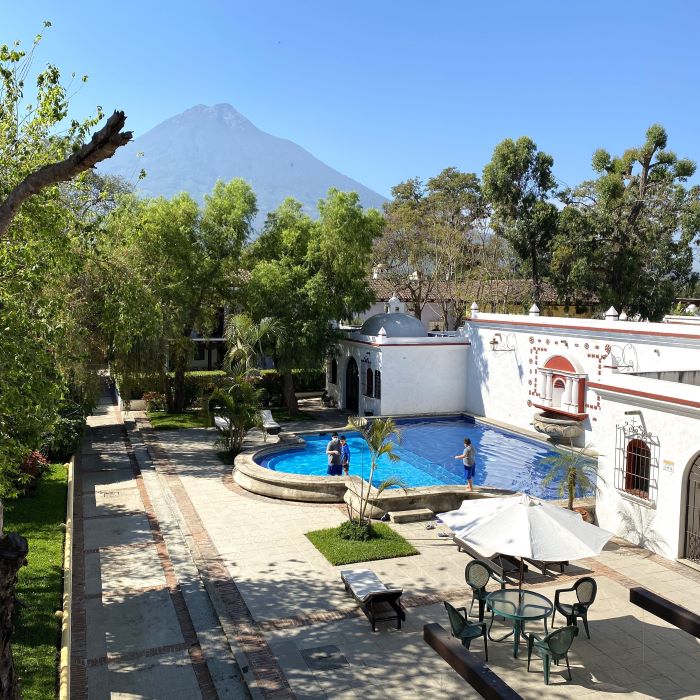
x: 637, y: 461
x: 377, y: 384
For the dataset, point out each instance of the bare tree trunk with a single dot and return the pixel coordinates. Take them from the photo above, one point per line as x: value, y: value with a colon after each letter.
x: 290, y: 398
x: 13, y: 556
x: 101, y: 146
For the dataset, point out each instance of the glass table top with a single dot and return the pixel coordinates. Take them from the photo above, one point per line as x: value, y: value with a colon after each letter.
x: 519, y: 604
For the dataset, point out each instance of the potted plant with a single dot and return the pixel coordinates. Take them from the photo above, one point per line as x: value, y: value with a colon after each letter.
x: 575, y: 472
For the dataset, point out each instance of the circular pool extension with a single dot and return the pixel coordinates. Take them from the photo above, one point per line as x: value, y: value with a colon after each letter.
x: 427, y: 449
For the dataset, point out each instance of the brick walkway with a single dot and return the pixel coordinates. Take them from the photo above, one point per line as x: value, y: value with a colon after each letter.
x: 142, y: 623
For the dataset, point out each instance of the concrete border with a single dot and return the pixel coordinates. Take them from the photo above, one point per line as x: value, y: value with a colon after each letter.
x: 64, y: 664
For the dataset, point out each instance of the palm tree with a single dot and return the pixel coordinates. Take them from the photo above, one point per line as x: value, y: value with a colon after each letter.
x: 573, y: 469
x: 381, y: 436
x: 245, y: 338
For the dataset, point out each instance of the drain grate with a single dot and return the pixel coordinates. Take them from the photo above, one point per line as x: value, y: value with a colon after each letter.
x: 326, y: 658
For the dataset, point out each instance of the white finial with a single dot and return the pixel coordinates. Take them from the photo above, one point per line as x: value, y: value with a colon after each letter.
x: 611, y: 314
x: 623, y: 316
x: 534, y: 310
x: 475, y: 309
x: 382, y: 332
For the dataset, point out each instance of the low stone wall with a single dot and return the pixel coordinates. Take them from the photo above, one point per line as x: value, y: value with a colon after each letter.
x: 339, y: 489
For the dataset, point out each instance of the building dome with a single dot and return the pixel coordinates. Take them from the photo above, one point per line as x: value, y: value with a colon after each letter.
x: 395, y: 325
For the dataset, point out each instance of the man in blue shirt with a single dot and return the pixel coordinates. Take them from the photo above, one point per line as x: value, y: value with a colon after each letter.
x: 344, y: 454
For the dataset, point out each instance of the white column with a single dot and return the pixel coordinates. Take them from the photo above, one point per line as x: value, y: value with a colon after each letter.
x: 574, y: 394
x: 549, y: 386
x: 566, y: 399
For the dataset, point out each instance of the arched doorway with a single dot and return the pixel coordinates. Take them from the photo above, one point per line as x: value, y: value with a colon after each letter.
x: 692, y: 517
x: 352, y: 386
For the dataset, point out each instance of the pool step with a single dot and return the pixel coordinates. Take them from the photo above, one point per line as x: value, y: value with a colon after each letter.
x: 410, y: 516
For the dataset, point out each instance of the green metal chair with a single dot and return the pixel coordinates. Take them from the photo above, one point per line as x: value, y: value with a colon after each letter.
x: 585, y: 589
x: 464, y: 629
x: 477, y: 575
x: 552, y: 647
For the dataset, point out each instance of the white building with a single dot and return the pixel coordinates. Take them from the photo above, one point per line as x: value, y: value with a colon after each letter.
x: 630, y: 391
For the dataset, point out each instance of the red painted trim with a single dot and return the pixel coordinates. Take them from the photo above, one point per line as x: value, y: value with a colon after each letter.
x: 574, y: 416
x: 645, y: 394
x: 594, y: 329
x: 561, y: 363
x: 402, y: 345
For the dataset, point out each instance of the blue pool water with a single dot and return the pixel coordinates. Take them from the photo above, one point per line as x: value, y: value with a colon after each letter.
x: 427, y: 449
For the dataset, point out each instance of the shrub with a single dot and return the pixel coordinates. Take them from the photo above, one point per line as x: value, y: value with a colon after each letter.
x: 304, y: 380
x: 32, y: 467
x: 65, y: 435
x: 155, y: 401
x: 358, y: 532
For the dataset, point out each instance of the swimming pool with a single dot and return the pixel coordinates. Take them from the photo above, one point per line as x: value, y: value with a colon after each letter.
x: 427, y: 449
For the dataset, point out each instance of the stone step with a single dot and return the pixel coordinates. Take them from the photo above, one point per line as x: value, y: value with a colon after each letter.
x: 410, y: 516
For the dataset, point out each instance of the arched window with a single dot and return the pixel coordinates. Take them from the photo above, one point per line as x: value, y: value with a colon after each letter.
x: 637, y: 468
x: 334, y: 371
x: 377, y: 384
x: 369, y: 387
x: 558, y: 391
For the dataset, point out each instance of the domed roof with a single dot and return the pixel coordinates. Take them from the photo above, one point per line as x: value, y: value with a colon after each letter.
x: 395, y: 325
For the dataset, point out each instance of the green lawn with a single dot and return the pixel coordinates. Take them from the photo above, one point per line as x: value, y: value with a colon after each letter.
x: 281, y: 415
x: 39, y: 517
x: 161, y: 420
x: 387, y: 545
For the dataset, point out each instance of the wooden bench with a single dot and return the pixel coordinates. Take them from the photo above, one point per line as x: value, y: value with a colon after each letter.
x: 469, y: 666
x: 377, y: 601
x: 677, y: 615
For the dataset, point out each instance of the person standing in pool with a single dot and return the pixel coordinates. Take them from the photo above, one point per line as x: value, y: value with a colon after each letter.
x: 344, y: 454
x: 333, y: 452
x: 468, y: 458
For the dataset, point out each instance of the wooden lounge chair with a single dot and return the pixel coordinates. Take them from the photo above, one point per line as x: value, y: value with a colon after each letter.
x: 544, y: 565
x: 377, y: 601
x: 502, y: 564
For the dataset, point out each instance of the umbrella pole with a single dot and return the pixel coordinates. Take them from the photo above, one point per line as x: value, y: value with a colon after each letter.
x: 520, y: 578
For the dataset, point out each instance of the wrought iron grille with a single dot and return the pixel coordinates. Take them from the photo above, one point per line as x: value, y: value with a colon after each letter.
x: 692, y: 518
x: 637, y: 461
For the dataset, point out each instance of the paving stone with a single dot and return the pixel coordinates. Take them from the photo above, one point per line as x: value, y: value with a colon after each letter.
x: 121, y: 530
x: 129, y: 568
x: 141, y: 621
x: 169, y: 676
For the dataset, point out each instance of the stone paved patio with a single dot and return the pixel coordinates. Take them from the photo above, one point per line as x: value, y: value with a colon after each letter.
x: 295, y: 598
x: 163, y: 522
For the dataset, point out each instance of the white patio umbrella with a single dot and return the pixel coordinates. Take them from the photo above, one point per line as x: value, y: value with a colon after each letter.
x: 522, y: 526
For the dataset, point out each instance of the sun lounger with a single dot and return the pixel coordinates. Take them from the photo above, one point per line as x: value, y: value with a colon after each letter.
x: 269, y: 424
x: 377, y: 601
x: 544, y: 565
x: 502, y: 564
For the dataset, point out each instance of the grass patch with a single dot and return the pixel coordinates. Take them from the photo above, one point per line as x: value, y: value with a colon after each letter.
x: 39, y: 517
x: 162, y: 420
x: 386, y: 545
x: 281, y: 415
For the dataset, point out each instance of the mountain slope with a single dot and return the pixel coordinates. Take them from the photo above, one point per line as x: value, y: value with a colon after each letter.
x: 191, y: 151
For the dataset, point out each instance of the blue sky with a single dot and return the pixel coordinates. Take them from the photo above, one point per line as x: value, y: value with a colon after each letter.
x: 384, y: 91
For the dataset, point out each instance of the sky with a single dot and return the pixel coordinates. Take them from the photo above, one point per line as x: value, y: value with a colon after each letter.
x: 387, y: 90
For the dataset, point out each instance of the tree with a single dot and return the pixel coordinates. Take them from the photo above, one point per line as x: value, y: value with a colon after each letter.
x: 573, y: 470
x: 381, y: 436
x: 184, y: 261
x: 39, y: 157
x: 518, y: 182
x: 245, y: 339
x: 627, y: 235
x: 307, y: 274
x: 428, y: 247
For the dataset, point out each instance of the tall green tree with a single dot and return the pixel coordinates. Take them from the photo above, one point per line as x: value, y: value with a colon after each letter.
x: 307, y: 273
x: 627, y: 235
x: 519, y: 184
x: 184, y: 261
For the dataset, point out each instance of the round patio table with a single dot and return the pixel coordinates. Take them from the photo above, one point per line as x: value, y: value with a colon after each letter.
x: 521, y: 607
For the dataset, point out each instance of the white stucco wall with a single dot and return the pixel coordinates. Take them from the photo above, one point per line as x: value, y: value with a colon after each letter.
x: 658, y: 525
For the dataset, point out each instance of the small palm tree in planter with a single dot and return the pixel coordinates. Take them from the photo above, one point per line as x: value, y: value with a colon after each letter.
x: 382, y: 436
x: 574, y: 470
